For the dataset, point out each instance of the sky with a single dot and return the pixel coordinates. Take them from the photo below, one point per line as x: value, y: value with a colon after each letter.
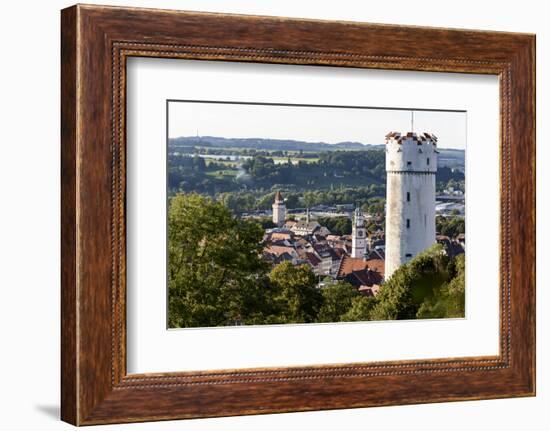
x: 312, y: 124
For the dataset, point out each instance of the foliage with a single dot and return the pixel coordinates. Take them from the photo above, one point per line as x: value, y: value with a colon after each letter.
x: 448, y: 300
x: 419, y: 285
x: 450, y: 226
x: 340, y: 167
x: 375, y: 206
x: 360, y: 310
x: 336, y: 225
x: 337, y: 300
x: 215, y: 271
x: 266, y: 223
x: 237, y: 202
x: 190, y: 173
x: 296, y: 296
x: 445, y: 174
x: 327, y: 177
x: 452, y: 184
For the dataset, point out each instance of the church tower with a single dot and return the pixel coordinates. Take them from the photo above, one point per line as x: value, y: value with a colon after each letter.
x: 411, y: 164
x: 358, y: 237
x: 279, y: 210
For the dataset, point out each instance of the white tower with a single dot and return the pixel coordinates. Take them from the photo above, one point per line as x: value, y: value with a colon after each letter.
x: 411, y: 164
x: 279, y: 210
x: 358, y: 237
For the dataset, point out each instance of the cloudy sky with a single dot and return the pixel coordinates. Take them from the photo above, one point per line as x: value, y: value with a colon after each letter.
x: 312, y: 124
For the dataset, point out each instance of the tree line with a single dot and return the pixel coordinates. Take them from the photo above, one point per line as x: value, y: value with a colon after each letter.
x: 336, y: 177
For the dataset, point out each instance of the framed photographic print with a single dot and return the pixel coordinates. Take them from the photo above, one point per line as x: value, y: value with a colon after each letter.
x: 267, y: 215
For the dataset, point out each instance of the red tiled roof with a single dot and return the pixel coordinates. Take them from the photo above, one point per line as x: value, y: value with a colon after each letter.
x: 360, y: 272
x: 351, y: 264
x: 377, y: 265
x: 279, y: 249
x: 364, y: 277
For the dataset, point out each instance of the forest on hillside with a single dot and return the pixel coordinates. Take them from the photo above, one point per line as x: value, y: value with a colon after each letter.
x: 247, y: 183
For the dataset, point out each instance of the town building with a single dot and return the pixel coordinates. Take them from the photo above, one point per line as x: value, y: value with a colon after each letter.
x: 366, y: 275
x: 338, y: 257
x: 279, y: 210
x: 358, y: 237
x: 305, y: 227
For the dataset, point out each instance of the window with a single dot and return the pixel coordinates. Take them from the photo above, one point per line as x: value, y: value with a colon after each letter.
x: 408, y: 196
x: 408, y: 223
x: 408, y: 255
x: 428, y: 160
x: 409, y: 163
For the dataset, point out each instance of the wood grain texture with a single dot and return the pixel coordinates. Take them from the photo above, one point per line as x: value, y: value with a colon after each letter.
x: 96, y: 41
x: 69, y: 366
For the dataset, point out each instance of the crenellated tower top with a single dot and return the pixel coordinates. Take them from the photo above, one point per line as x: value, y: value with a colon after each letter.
x: 411, y: 152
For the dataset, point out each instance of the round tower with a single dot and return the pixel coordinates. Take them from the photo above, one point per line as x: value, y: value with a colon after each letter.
x: 411, y: 164
x: 358, y: 237
x: 279, y: 209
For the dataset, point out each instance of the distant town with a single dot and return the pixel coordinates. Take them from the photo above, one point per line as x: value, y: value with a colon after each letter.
x: 303, y: 240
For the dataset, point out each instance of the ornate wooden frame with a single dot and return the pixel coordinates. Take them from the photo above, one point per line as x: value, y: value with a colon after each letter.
x: 95, y: 42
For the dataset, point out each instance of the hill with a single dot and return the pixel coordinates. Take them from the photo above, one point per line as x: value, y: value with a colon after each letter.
x: 264, y: 144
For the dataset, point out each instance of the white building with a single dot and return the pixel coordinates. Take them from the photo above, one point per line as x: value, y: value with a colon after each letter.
x: 279, y: 210
x: 411, y: 164
x: 358, y: 236
x: 305, y: 228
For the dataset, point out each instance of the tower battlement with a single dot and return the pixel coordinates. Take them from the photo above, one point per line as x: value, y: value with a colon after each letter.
x: 412, y: 136
x: 410, y: 151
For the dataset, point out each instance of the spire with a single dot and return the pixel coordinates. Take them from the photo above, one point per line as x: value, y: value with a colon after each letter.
x: 278, y: 196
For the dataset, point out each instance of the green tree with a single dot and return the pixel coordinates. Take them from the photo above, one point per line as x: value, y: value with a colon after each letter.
x: 336, y: 225
x: 374, y: 206
x: 450, y: 226
x: 337, y: 299
x: 215, y: 273
x: 360, y: 309
x: 199, y: 164
x: 401, y: 296
x: 297, y: 298
x: 309, y: 199
x: 266, y: 223
x: 448, y: 300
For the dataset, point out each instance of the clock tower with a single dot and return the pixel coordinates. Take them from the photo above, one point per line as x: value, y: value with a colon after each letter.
x: 358, y: 235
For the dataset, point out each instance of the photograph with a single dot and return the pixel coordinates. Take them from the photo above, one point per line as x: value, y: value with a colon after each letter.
x: 302, y: 214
